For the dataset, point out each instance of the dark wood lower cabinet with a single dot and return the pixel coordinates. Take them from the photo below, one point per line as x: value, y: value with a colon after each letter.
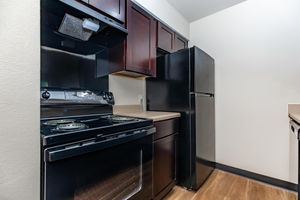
x: 165, y: 158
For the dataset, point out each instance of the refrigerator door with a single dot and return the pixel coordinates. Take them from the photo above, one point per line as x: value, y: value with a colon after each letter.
x: 204, y: 123
x: 170, y: 90
x: 203, y: 72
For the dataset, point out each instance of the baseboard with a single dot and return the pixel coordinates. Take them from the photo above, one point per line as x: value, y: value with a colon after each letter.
x: 259, y: 177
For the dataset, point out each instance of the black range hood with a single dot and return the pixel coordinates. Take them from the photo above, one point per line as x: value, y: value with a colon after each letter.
x: 83, y: 8
x: 53, y: 13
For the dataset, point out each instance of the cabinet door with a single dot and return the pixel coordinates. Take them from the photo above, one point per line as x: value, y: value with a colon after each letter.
x: 165, y: 38
x: 164, y: 163
x: 113, y: 8
x: 180, y: 43
x: 141, y: 39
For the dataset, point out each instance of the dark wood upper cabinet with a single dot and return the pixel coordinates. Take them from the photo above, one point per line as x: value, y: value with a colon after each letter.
x: 165, y: 37
x: 168, y: 40
x: 141, y: 41
x: 179, y: 42
x: 113, y: 8
x: 136, y: 56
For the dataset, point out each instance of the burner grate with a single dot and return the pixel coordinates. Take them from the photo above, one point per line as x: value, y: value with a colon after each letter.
x: 71, y: 126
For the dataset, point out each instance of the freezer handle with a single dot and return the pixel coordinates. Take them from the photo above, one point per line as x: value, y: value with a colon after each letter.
x: 201, y: 94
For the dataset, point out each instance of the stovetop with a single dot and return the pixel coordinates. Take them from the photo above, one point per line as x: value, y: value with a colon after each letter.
x: 61, y: 130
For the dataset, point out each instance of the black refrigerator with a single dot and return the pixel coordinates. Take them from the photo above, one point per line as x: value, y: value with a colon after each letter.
x: 185, y: 83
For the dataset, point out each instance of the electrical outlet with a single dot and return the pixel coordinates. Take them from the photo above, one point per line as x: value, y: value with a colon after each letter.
x: 141, y: 99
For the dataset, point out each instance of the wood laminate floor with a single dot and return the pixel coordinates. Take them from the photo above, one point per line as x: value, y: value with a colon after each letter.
x: 225, y: 186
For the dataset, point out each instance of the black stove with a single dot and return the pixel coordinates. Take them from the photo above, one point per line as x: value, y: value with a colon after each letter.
x: 85, y: 148
x: 67, y: 129
x: 73, y: 114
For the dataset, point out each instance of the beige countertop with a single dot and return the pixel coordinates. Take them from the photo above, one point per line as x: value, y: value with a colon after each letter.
x: 294, y: 112
x: 137, y: 111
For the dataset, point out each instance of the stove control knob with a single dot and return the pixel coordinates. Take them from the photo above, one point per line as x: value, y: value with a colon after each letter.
x: 104, y: 96
x: 46, y: 95
x: 110, y: 96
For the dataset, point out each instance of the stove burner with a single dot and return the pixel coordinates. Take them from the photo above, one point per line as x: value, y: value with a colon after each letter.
x: 63, y: 130
x: 119, y: 119
x: 89, y: 120
x: 71, y: 126
x: 58, y: 121
x: 122, y: 119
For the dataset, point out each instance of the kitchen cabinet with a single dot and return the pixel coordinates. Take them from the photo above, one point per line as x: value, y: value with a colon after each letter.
x: 165, y: 157
x: 168, y: 40
x: 112, y: 8
x: 179, y: 42
x: 141, y: 41
x: 165, y: 37
x: 136, y: 56
x: 147, y: 37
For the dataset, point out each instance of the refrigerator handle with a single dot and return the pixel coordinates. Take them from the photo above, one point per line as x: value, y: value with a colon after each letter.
x: 202, y: 94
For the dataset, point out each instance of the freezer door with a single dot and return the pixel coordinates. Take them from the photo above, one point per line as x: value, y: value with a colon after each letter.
x: 204, y: 137
x: 170, y: 90
x: 204, y: 72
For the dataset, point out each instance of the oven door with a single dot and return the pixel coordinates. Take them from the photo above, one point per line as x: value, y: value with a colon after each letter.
x: 119, y: 168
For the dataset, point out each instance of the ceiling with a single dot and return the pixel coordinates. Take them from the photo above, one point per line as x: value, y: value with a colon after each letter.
x: 195, y: 9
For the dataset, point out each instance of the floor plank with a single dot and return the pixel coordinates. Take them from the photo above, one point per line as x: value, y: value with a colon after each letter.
x: 225, y: 186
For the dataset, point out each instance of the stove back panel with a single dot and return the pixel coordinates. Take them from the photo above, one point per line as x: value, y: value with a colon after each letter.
x: 74, y: 110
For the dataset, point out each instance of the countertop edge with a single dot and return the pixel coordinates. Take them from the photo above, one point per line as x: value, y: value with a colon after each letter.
x: 155, y: 116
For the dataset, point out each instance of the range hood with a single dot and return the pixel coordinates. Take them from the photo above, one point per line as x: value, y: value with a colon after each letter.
x: 74, y: 27
x: 81, y: 7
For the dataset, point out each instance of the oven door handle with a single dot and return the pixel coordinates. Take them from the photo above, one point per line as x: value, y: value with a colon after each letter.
x: 83, y: 147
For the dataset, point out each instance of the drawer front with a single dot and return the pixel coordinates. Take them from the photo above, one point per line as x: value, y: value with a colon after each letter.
x: 165, y: 128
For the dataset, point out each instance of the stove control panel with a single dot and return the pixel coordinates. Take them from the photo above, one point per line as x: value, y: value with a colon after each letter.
x: 76, y: 97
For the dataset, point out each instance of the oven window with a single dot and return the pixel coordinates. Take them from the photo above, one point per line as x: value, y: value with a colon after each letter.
x: 122, y: 183
x: 117, y: 173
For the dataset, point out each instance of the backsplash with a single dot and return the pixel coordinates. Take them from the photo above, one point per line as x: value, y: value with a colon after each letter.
x: 127, y: 90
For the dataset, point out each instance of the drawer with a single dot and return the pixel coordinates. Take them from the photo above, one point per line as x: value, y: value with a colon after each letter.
x: 166, y: 127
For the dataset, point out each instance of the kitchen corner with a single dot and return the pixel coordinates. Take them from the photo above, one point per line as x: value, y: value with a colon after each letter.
x: 150, y: 100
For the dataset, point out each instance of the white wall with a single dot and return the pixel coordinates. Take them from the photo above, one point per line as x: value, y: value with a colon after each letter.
x: 127, y: 91
x: 256, y: 46
x: 19, y: 99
